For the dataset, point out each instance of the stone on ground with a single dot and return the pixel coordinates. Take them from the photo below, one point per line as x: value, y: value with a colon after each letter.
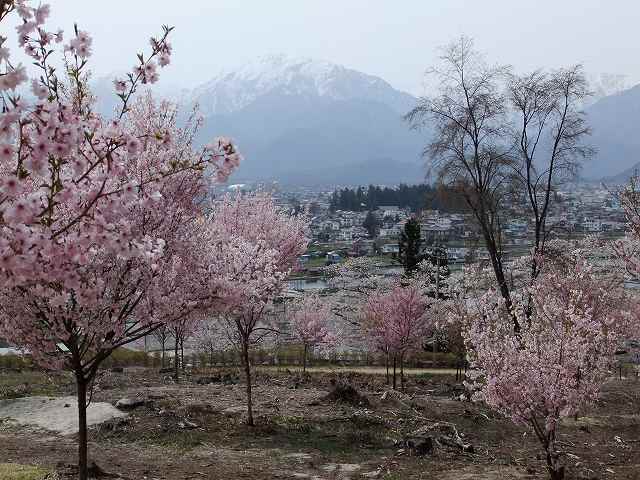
x: 56, y: 414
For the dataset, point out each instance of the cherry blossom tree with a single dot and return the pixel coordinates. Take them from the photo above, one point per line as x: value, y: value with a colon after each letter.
x: 255, y: 246
x: 309, y: 325
x: 97, y: 217
x: 395, y: 322
x: 571, y: 324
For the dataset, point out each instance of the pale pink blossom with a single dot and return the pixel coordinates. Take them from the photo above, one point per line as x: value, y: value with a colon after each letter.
x: 4, y: 54
x: 42, y: 13
x: 7, y: 152
x: 133, y: 145
x: 39, y: 90
x: 164, y: 60
x: 120, y: 85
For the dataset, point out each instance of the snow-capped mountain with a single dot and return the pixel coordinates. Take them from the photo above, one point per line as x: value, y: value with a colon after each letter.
x: 231, y: 91
x: 308, y: 121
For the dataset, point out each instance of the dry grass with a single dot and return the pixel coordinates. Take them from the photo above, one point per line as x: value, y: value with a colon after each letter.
x: 12, y: 471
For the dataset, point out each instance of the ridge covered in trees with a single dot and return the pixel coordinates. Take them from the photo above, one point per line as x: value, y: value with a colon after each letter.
x: 415, y: 197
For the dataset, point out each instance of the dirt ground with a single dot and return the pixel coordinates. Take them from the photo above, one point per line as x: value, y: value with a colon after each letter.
x: 190, y: 431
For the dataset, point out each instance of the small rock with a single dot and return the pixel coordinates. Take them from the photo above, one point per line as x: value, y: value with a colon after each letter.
x: 129, y: 403
x: 234, y: 410
x: 157, y: 396
x: 420, y: 445
x: 208, y: 380
x: 186, y: 424
x: 373, y: 474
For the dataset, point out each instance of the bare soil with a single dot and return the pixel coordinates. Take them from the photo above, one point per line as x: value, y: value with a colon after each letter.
x: 190, y: 431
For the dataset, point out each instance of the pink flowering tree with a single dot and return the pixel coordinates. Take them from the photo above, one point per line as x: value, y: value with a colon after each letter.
x: 95, y: 214
x: 570, y: 326
x: 310, y: 325
x: 255, y: 246
x: 395, y: 322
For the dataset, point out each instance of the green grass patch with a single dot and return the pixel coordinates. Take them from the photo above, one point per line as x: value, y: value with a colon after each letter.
x: 13, y: 471
x: 16, y: 384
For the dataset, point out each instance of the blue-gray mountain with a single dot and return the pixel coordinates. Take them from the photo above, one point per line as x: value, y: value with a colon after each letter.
x: 313, y: 122
x: 615, y: 121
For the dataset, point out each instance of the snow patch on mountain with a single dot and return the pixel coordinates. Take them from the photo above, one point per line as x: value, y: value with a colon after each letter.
x: 230, y: 91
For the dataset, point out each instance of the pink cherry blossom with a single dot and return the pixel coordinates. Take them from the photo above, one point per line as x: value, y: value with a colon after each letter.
x: 120, y: 85
x: 570, y: 325
x: 310, y: 324
x: 7, y: 152
x: 102, y: 237
x: 396, y: 320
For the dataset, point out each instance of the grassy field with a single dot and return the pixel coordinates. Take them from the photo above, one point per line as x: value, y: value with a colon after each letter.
x: 12, y: 471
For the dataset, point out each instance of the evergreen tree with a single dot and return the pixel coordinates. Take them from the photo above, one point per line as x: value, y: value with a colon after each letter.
x: 410, y: 243
x: 371, y: 224
x: 333, y: 203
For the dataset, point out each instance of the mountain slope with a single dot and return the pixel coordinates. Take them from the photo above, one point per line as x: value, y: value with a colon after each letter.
x: 302, y: 121
x: 614, y: 120
x: 231, y: 91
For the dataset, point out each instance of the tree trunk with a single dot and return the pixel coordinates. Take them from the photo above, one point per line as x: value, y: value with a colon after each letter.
x: 304, y: 359
x: 247, y: 371
x: 434, y: 349
x: 394, y: 372
x: 556, y: 471
x: 402, y: 372
x: 164, y: 341
x: 386, y: 364
x: 176, y: 358
x: 182, y: 354
x: 82, y: 427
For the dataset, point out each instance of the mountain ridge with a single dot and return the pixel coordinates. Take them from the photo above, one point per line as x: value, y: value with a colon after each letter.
x: 299, y: 120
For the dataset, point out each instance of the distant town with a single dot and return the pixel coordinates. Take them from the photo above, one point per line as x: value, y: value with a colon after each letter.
x: 339, y: 233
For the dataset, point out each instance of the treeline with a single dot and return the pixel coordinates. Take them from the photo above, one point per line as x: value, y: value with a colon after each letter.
x: 415, y: 197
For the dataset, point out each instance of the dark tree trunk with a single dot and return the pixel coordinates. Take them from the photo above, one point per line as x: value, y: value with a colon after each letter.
x: 182, y: 354
x: 556, y: 472
x: 247, y: 371
x: 435, y: 351
x: 386, y: 363
x: 164, y: 341
x: 176, y: 361
x: 304, y: 359
x: 394, y: 372
x: 82, y: 427
x: 402, y: 372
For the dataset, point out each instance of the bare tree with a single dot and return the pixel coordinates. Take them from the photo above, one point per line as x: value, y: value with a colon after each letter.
x: 549, y: 130
x: 499, y: 137
x: 161, y: 335
x: 471, y: 148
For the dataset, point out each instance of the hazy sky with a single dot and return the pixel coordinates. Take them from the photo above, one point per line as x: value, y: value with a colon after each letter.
x: 395, y: 39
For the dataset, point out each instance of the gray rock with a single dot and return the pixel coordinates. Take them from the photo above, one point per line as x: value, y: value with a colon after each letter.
x: 129, y: 403
x: 420, y: 445
x: 186, y: 424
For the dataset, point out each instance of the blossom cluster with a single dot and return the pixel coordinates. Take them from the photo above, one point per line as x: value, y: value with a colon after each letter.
x: 395, y: 321
x: 94, y: 212
x: 570, y: 324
